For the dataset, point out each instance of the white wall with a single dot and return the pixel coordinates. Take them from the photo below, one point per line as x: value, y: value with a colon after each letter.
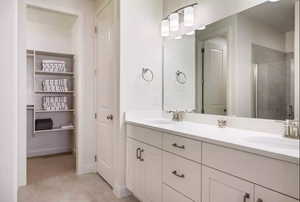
x: 140, y: 46
x: 83, y: 47
x: 22, y: 94
x: 8, y: 101
x: 179, y: 55
x: 42, y: 23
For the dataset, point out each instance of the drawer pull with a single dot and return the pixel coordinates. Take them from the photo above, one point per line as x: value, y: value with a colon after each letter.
x: 177, y: 146
x: 260, y: 200
x: 176, y: 174
x: 246, y: 196
x: 141, y: 158
x: 138, y: 153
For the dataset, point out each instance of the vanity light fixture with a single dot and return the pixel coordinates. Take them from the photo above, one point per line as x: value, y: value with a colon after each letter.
x: 188, y: 18
x: 174, y: 22
x: 165, y: 28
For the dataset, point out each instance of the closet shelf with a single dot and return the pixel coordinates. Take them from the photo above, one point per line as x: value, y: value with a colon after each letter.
x: 55, y: 73
x: 54, y: 92
x: 53, y: 130
x: 53, y: 111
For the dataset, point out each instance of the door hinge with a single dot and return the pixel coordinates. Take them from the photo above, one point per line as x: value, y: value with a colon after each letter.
x: 95, y: 158
x: 96, y: 30
x: 95, y: 115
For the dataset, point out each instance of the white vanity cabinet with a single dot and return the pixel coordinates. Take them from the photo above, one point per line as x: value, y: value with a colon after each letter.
x: 265, y: 195
x: 144, y: 171
x: 220, y: 187
x: 163, y: 167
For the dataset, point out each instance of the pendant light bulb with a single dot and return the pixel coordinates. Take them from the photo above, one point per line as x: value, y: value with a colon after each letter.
x: 174, y: 22
x: 165, y: 28
x: 189, y: 16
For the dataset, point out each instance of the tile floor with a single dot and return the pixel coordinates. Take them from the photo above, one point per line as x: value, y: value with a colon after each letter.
x: 53, y: 179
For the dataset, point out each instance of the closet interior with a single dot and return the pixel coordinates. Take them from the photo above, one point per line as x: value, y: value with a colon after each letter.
x: 51, y: 72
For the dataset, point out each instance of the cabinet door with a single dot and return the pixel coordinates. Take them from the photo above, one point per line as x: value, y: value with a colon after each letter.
x: 170, y: 195
x: 152, y: 166
x: 220, y: 187
x: 134, y: 170
x: 265, y: 195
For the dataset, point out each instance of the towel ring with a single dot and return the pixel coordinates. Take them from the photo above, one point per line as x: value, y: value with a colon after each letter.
x: 147, y: 74
x: 181, y: 77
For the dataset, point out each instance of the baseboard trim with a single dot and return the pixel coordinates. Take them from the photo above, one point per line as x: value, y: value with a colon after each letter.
x: 85, y: 169
x: 44, y: 152
x: 121, y: 191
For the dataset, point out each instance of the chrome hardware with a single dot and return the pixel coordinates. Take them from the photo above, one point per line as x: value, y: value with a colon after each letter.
x: 181, y: 77
x: 259, y: 200
x: 110, y: 117
x: 146, y: 71
x: 141, y: 151
x: 222, y: 123
x: 177, y: 175
x: 177, y: 115
x: 246, y: 196
x: 177, y: 146
x: 291, y: 129
x: 137, y: 153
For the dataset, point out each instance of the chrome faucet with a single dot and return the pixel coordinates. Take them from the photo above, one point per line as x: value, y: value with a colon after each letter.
x: 222, y: 123
x: 292, y: 129
x: 177, y: 115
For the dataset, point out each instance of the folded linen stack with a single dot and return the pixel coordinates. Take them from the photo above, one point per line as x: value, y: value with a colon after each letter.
x: 53, y: 66
x: 58, y: 85
x: 55, y: 103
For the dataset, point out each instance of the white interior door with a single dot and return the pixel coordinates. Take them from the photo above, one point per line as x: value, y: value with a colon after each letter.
x: 214, y: 79
x: 105, y: 93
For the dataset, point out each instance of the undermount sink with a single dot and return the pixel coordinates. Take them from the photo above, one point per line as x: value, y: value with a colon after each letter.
x: 162, y: 121
x: 277, y: 142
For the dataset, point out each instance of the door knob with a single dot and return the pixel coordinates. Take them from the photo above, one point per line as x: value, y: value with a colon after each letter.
x: 110, y: 117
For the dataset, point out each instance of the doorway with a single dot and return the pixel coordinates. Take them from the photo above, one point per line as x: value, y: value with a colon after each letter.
x: 51, y: 131
x: 106, y: 84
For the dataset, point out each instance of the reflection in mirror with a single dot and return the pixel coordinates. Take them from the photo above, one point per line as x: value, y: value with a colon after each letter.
x: 242, y: 65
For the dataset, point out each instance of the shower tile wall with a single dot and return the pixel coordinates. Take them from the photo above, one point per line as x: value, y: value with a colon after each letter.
x: 274, y: 90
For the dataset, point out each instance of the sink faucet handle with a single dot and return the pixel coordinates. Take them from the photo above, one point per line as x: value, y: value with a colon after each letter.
x: 176, y: 115
x: 222, y: 123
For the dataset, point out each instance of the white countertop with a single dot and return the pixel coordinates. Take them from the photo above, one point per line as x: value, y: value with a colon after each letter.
x: 265, y: 144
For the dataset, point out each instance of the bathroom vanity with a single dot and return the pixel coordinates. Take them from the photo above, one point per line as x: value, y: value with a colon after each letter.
x: 170, y: 161
x: 243, y: 67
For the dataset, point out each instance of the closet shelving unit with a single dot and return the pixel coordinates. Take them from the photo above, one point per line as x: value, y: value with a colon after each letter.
x: 60, y: 118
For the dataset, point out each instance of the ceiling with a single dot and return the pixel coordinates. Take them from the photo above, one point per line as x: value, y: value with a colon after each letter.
x: 279, y: 15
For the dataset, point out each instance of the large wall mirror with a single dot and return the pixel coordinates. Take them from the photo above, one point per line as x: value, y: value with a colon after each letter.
x: 242, y: 65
